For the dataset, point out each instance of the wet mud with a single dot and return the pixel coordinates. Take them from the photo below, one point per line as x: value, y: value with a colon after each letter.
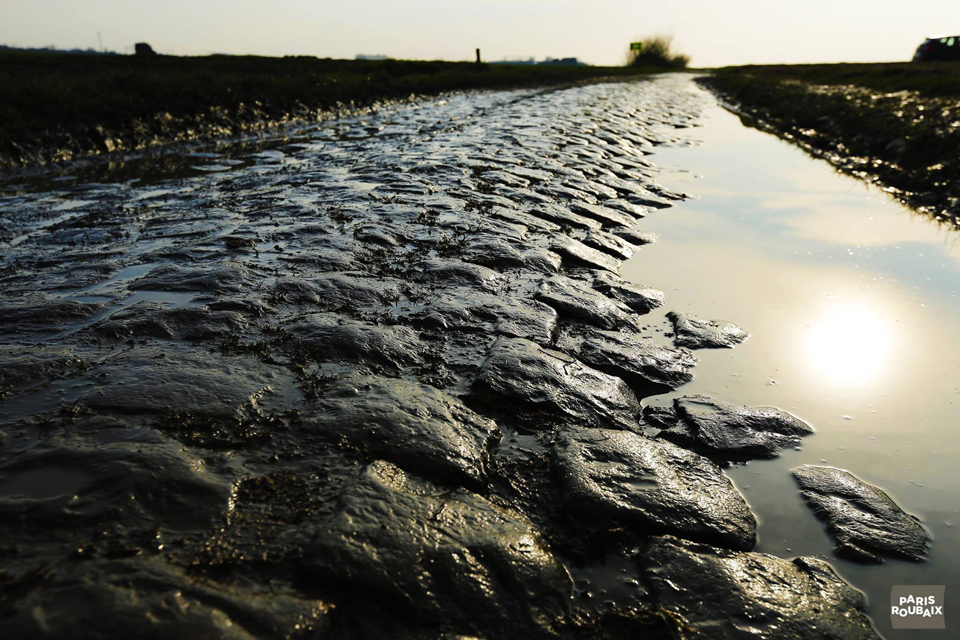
x: 382, y: 381
x: 865, y: 523
x: 727, y: 432
x: 696, y: 333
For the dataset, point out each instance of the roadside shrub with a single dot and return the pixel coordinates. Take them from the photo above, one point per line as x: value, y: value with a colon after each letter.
x: 657, y: 52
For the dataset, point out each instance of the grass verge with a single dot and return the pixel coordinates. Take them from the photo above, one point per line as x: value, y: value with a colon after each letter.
x: 897, y: 124
x: 60, y: 106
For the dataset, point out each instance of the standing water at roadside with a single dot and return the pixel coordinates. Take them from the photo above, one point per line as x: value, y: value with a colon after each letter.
x: 851, y: 303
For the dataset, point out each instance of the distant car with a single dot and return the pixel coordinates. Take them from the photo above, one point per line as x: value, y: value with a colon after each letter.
x: 938, y: 48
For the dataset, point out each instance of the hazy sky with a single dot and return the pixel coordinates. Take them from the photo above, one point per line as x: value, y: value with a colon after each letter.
x: 713, y: 32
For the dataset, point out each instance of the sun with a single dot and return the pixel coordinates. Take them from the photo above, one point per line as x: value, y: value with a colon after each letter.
x: 850, y: 344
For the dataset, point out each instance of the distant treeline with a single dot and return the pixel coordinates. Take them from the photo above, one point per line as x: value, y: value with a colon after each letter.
x: 561, y: 61
x: 52, y: 49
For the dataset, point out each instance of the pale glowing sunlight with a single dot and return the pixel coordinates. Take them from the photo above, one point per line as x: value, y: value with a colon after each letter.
x: 850, y: 344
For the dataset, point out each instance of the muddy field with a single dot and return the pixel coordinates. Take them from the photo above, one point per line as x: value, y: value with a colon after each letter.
x: 386, y: 380
x: 63, y: 106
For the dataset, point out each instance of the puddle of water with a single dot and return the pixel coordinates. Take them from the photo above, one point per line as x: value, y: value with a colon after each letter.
x: 851, y: 302
x: 114, y: 287
x: 46, y: 482
x: 171, y: 298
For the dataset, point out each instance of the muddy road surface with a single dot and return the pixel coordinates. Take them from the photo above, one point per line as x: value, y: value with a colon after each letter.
x: 389, y: 377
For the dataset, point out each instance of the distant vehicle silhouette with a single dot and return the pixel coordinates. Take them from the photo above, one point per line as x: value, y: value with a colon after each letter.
x: 938, y: 48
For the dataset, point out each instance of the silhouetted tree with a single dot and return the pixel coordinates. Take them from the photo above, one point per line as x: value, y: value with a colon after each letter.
x: 656, y: 52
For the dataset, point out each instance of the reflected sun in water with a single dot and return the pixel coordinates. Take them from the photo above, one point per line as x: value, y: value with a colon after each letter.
x: 851, y: 344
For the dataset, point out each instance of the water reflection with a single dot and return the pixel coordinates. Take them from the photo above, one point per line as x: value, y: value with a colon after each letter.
x: 850, y: 344
x: 851, y: 302
x: 821, y: 219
